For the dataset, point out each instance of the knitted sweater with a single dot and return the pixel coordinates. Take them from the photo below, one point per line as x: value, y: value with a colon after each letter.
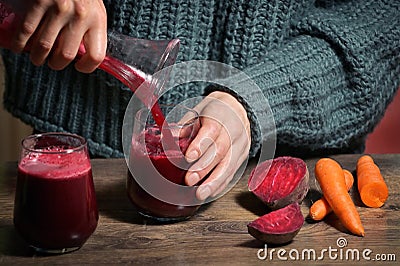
x: 327, y: 68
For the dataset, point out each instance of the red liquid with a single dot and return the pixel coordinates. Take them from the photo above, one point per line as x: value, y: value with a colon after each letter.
x: 55, y: 202
x: 128, y: 75
x: 172, y: 166
x: 7, y: 27
x: 118, y: 69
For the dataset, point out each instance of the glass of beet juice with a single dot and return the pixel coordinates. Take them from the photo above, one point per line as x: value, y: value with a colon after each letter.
x: 157, y: 165
x: 55, y: 208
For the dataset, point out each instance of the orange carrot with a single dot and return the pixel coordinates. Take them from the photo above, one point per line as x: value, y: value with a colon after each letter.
x: 371, y: 185
x: 321, y: 207
x: 331, y: 180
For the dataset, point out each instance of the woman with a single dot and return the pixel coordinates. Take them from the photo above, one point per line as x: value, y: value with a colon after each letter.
x: 327, y: 68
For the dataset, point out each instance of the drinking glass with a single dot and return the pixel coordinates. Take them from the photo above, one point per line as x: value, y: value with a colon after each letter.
x: 55, y: 207
x: 157, y: 168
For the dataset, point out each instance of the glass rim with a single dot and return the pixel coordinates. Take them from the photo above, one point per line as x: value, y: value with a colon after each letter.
x: 190, y: 122
x: 82, y: 145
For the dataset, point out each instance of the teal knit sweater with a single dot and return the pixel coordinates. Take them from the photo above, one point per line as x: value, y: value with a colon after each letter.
x: 327, y: 68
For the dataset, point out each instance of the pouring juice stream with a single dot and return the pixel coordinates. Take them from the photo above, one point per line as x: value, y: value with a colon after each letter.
x: 127, y: 74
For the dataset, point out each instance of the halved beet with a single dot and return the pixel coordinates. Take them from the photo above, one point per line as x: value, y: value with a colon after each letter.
x: 280, y: 182
x: 278, y: 227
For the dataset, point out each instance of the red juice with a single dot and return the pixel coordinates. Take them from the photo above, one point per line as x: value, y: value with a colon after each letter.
x: 55, y: 202
x: 128, y: 75
x: 151, y: 167
x: 7, y: 24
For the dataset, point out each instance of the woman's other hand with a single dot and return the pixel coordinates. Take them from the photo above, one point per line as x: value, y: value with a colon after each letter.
x: 221, y: 145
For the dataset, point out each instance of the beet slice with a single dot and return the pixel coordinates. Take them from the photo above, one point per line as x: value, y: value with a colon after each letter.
x: 278, y: 227
x: 280, y: 182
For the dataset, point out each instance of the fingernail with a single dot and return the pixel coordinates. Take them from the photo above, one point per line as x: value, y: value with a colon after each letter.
x: 192, y: 179
x: 192, y: 156
x: 204, y: 192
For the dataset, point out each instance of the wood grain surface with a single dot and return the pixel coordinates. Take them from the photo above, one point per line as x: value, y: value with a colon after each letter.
x: 217, y: 234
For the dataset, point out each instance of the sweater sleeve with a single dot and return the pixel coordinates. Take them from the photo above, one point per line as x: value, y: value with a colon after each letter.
x: 329, y: 85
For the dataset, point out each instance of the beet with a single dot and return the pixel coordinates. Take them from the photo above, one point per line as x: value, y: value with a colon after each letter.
x: 278, y: 227
x: 280, y: 182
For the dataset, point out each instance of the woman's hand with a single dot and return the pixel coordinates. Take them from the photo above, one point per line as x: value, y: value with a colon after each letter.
x: 54, y: 29
x: 221, y: 145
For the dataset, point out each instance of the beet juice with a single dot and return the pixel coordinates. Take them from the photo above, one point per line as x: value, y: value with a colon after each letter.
x: 155, y: 181
x: 7, y: 21
x: 55, y: 207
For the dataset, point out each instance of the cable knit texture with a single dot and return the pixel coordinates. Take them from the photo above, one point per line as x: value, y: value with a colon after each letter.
x: 327, y: 68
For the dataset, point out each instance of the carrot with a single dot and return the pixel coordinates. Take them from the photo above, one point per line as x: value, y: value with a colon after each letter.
x: 331, y: 180
x: 321, y: 207
x: 371, y: 185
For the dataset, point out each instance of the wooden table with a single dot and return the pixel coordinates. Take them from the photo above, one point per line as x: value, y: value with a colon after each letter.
x: 217, y: 234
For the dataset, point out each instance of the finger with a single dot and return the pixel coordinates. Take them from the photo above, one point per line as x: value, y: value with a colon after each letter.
x: 198, y: 108
x: 224, y: 172
x: 65, y: 51
x: 211, y: 157
x: 192, y: 125
x: 228, y: 179
x: 45, y: 38
x: 240, y: 151
x: 190, y: 115
x: 217, y: 178
x: 28, y: 26
x: 95, y: 41
x: 209, y: 131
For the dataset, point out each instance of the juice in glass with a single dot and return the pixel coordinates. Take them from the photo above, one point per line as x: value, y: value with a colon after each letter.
x: 55, y: 208
x: 155, y: 181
